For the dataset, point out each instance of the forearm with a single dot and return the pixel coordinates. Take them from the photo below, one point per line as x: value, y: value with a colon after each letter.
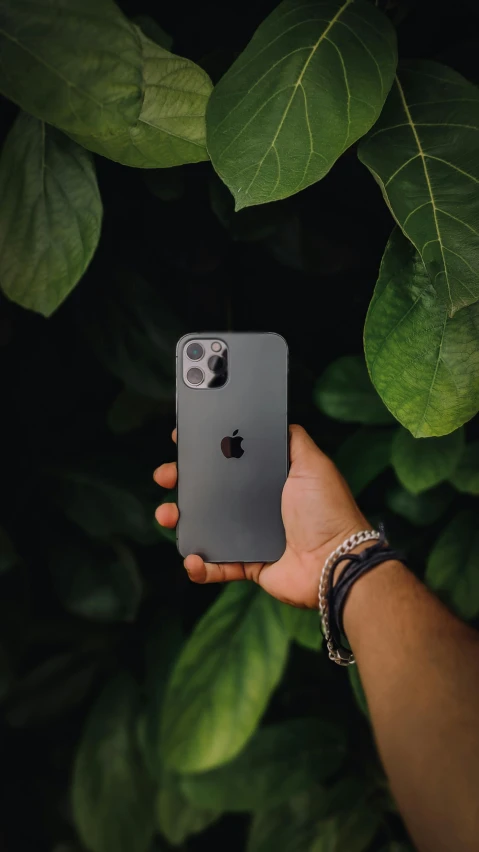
x: 419, y: 667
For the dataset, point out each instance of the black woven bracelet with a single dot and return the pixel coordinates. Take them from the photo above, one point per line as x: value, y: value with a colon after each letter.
x: 359, y: 564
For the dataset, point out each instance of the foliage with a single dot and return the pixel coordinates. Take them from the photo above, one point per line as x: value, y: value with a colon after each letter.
x: 140, y: 713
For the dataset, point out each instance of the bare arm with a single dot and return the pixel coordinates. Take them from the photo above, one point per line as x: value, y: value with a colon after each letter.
x: 418, y: 663
x: 420, y: 670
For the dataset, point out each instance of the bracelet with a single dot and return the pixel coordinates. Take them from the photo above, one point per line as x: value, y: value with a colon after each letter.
x: 332, y: 598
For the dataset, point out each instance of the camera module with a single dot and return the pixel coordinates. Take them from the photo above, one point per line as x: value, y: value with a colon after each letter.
x: 195, y: 376
x: 195, y: 351
x: 216, y: 363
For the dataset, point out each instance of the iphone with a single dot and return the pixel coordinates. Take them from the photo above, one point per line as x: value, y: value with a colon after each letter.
x: 232, y: 426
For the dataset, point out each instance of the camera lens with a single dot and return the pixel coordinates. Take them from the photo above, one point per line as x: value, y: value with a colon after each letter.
x: 195, y: 376
x: 195, y: 351
x: 216, y: 363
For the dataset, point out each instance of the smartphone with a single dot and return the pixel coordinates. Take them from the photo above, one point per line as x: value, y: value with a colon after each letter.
x: 232, y: 422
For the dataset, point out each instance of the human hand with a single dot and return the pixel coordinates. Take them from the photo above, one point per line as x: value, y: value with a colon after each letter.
x: 318, y: 510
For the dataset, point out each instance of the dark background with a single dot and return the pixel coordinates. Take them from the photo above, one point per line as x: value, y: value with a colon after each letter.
x: 304, y: 267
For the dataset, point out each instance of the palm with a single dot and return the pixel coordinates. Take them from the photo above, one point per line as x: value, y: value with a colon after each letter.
x: 318, y: 513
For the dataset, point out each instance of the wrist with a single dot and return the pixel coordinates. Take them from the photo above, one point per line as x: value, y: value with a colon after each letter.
x: 366, y: 594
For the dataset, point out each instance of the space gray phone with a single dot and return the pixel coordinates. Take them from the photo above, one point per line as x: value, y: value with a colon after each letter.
x: 232, y: 445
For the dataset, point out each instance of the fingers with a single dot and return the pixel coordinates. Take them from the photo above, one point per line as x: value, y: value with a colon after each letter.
x: 166, y: 475
x: 167, y: 515
x: 208, y: 572
x: 173, y: 435
x: 303, y: 451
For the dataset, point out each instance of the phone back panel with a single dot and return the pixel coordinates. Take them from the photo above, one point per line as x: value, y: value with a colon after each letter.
x: 230, y: 508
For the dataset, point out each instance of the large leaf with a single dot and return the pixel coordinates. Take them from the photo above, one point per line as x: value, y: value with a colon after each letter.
x: 178, y: 818
x: 345, y: 392
x: 94, y: 580
x: 50, y: 214
x: 420, y: 509
x: 83, y: 67
x: 223, y: 679
x: 312, y: 80
x: 303, y: 625
x: 134, y: 334
x: 466, y: 476
x: 289, y: 827
x: 74, y: 63
x: 104, y: 504
x: 424, y: 364
x: 423, y: 152
x: 153, y: 31
x: 278, y: 762
x: 162, y: 649
x: 301, y: 825
x: 49, y: 690
x: 170, y: 128
x: 422, y: 463
x: 363, y: 456
x: 112, y: 796
x: 453, y: 564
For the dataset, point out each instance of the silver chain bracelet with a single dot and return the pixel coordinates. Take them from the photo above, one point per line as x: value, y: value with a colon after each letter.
x: 338, y: 655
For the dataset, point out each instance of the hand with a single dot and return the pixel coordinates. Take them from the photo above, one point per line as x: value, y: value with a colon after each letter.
x: 318, y: 510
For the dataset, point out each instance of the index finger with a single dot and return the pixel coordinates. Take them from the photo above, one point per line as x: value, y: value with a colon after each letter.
x: 173, y: 435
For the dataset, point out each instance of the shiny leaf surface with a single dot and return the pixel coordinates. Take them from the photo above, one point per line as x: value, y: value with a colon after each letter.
x: 422, y: 152
x: 422, y: 463
x: 452, y: 565
x: 424, y: 364
x: 312, y: 80
x: 50, y: 214
x: 223, y: 679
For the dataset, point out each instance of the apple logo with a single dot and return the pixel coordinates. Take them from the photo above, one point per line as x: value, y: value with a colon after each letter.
x: 231, y: 446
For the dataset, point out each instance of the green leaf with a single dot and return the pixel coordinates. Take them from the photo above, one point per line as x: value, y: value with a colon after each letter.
x: 420, y: 509
x: 466, y: 475
x: 421, y: 463
x: 112, y: 796
x: 83, y: 67
x: 223, y: 679
x: 95, y: 581
x: 312, y: 80
x: 170, y: 128
x: 425, y: 142
x: 134, y: 334
x: 103, y: 506
x: 179, y: 818
x: 278, y: 762
x: 153, y: 31
x: 301, y: 826
x: 76, y: 64
x: 358, y: 690
x: 350, y: 832
x: 452, y: 565
x: 289, y: 828
x: 303, y: 625
x: 424, y: 364
x: 363, y: 456
x: 8, y: 554
x: 51, y: 213
x: 162, y: 649
x: 345, y: 392
x: 50, y: 690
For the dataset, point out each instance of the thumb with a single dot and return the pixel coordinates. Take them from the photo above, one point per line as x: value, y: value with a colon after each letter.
x: 304, y: 453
